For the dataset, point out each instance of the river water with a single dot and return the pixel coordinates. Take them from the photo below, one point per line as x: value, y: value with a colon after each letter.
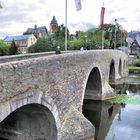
x: 117, y: 121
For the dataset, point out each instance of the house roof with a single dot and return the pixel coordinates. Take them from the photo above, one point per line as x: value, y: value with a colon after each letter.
x: 134, y: 34
x: 138, y: 40
x: 129, y: 40
x: 36, y: 29
x: 16, y: 38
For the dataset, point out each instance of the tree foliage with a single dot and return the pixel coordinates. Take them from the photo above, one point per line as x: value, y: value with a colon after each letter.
x: 42, y: 45
x: 74, y: 44
x: 59, y: 36
x: 13, y: 48
x: 137, y: 61
x: 4, y: 48
x: 89, y: 40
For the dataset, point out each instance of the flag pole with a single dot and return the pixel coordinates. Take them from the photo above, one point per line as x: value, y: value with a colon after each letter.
x: 66, y: 25
x: 102, y: 26
x: 103, y: 39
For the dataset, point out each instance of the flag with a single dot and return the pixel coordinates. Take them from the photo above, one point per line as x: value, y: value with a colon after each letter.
x: 78, y: 5
x: 102, y: 17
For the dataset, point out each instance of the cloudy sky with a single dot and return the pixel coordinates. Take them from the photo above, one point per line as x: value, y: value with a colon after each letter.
x: 17, y: 15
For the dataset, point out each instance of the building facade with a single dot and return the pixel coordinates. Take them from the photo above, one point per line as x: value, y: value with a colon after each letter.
x: 53, y: 25
x: 134, y: 45
x: 22, y: 41
x: 37, y: 31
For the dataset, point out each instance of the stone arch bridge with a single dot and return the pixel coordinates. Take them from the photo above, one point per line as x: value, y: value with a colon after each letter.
x: 41, y: 95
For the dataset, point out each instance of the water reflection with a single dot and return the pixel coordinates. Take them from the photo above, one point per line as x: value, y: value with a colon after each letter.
x: 116, y: 121
x: 128, y: 127
x: 101, y: 115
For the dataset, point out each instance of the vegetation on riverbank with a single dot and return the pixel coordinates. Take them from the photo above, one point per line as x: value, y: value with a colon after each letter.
x: 134, y: 69
x: 124, y: 99
x: 137, y: 61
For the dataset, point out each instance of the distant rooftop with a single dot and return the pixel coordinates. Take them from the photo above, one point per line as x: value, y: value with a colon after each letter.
x: 134, y: 34
x: 54, y: 21
x: 37, y: 29
x: 16, y: 38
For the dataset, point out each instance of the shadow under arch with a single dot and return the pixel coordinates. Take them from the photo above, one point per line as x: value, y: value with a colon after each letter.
x: 93, y: 89
x: 120, y: 67
x: 112, y: 72
x: 32, y: 121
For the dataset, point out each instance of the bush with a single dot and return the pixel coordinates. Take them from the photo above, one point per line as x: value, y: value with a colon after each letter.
x: 137, y: 62
x: 13, y: 48
x: 4, y: 48
x: 138, y: 56
x: 42, y: 45
x: 75, y: 44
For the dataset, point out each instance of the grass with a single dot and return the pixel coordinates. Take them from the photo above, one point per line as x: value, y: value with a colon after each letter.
x: 124, y: 99
x: 134, y: 69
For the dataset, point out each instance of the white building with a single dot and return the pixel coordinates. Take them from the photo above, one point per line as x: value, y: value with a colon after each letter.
x: 22, y: 41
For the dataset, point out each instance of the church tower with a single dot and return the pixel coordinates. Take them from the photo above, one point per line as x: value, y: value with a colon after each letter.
x: 53, y: 25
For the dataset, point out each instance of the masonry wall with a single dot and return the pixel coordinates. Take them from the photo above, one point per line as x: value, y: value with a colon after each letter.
x: 57, y: 82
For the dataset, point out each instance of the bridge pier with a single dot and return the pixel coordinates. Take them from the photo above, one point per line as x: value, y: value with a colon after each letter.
x: 76, y: 127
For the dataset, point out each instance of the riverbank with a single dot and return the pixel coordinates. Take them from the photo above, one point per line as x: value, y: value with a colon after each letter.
x: 134, y: 69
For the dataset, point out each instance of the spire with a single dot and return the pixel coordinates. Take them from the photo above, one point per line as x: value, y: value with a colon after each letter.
x: 53, y: 25
x: 53, y: 21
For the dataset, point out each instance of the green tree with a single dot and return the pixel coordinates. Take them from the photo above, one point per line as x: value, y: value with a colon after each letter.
x: 74, y: 44
x: 13, y: 48
x: 110, y: 34
x: 42, y: 45
x: 4, y: 48
x: 59, y: 36
x: 137, y: 61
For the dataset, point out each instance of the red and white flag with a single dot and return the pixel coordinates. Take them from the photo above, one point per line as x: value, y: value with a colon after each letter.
x: 78, y: 5
x: 102, y: 17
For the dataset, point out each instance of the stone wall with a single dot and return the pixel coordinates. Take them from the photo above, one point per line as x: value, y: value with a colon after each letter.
x: 57, y: 82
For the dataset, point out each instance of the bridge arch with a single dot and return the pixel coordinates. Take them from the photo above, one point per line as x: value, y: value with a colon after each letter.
x: 32, y: 121
x: 120, y: 67
x: 37, y: 98
x: 93, y: 88
x: 112, y: 72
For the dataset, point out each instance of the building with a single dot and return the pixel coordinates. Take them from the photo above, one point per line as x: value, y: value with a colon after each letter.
x: 135, y: 46
x: 134, y: 34
x: 53, y: 25
x: 22, y: 41
x: 37, y: 31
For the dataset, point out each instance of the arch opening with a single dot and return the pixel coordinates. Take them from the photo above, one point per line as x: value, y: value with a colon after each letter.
x: 94, y: 87
x: 112, y: 72
x: 32, y: 122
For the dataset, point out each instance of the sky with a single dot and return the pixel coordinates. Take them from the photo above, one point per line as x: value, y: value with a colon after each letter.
x: 18, y: 15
